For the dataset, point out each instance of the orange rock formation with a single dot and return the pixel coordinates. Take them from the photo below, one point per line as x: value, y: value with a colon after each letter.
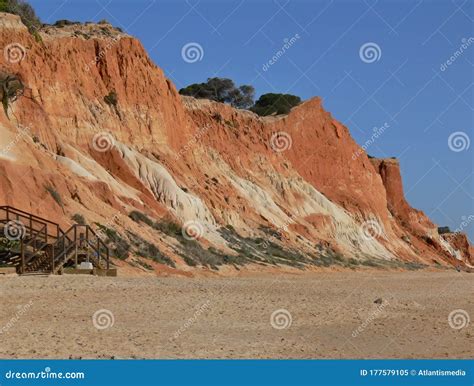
x: 288, y: 190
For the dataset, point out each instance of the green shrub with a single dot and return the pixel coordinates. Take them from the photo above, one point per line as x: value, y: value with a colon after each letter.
x: 222, y: 90
x: 269, y: 104
x: 443, y: 230
x: 24, y: 10
x: 79, y: 219
x: 64, y: 22
x: 111, y: 98
x: 8, y: 245
x: 11, y: 88
x: 168, y: 227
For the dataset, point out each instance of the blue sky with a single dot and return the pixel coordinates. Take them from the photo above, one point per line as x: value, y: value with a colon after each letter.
x: 407, y: 84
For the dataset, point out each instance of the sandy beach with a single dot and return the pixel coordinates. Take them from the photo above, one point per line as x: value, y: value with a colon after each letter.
x: 327, y: 315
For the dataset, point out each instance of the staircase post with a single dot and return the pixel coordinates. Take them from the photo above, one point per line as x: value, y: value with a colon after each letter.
x: 52, y: 256
x: 75, y: 246
x: 22, y: 251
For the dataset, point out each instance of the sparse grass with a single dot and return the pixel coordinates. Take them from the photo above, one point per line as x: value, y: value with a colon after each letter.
x: 119, y: 246
x: 324, y: 261
x: 352, y: 261
x: 138, y: 217
x: 270, y: 232
x: 254, y: 250
x: 207, y: 257
x: 188, y: 260
x: 392, y: 264
x: 168, y: 227
x: 262, y: 250
x: 229, y: 123
x: 56, y: 196
x: 37, y: 36
x: 144, y: 265
x: 370, y: 263
x: 412, y: 266
x: 211, y: 258
x: 148, y: 250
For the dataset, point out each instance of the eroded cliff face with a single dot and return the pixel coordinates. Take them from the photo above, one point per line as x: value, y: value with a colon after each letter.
x: 283, y: 191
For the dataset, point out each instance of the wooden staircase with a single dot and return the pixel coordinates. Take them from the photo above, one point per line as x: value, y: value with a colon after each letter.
x: 34, y: 244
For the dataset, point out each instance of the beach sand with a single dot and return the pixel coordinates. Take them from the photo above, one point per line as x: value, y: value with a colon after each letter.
x: 318, y: 315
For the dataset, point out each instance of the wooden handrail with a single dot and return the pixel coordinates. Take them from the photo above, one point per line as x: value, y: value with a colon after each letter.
x: 12, y: 209
x: 62, y: 242
x: 28, y: 217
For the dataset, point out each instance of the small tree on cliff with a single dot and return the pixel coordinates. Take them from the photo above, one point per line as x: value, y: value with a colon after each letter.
x: 24, y: 10
x: 222, y: 90
x: 269, y: 104
x: 11, y: 88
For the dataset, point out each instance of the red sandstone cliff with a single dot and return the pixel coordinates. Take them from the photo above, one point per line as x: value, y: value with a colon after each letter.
x: 298, y: 198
